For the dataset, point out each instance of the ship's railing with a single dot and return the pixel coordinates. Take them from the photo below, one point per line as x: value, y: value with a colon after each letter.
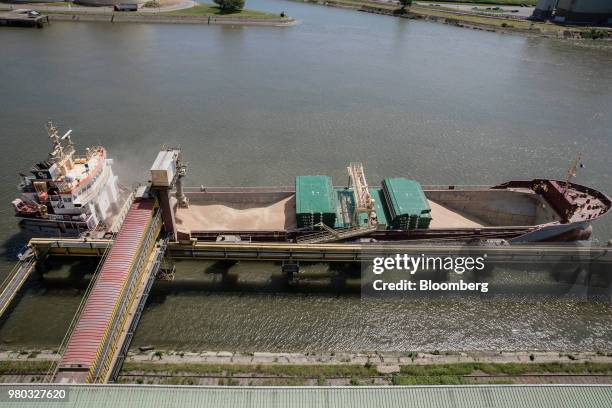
x: 215, y: 189
x: 89, y: 191
x: 456, y: 186
x: 206, y: 189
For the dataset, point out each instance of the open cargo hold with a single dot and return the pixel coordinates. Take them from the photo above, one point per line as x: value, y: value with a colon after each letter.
x: 407, y: 204
x: 315, y: 201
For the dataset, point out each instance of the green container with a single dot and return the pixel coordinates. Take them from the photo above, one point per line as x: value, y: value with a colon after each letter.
x: 315, y: 201
x: 406, y: 203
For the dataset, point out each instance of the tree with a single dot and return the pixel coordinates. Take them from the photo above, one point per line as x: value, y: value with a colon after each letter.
x: 405, y: 3
x: 230, y: 6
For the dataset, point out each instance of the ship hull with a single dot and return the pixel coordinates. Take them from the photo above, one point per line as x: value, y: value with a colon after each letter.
x: 39, y: 227
x: 553, y: 233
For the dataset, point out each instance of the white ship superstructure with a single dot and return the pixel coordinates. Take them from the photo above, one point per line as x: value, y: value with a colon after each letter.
x: 68, y: 193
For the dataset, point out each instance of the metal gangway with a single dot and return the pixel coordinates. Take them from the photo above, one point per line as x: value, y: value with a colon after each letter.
x: 332, y: 235
x: 14, y: 281
x: 114, y: 300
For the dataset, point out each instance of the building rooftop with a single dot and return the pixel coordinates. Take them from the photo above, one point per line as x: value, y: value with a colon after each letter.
x: 478, y: 396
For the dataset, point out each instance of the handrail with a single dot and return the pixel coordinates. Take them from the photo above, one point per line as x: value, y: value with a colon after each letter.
x: 13, y: 272
x: 24, y: 267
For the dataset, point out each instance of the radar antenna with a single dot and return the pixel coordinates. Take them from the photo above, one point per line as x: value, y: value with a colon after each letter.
x: 57, y: 151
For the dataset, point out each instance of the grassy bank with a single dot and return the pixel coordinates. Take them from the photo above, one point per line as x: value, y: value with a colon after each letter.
x: 200, y: 11
x: 507, y: 369
x: 209, y: 10
x: 352, y: 374
x: 456, y: 374
x: 487, y: 2
x: 24, y: 366
x: 286, y: 370
x: 156, y: 372
x: 470, y: 19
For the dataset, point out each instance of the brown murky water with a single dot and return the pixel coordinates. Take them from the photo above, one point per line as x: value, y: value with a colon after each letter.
x: 257, y: 106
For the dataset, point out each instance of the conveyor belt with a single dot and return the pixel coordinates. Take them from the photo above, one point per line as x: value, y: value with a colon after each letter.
x: 91, y: 344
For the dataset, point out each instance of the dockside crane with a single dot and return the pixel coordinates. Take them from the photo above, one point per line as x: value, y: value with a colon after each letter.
x: 364, y: 203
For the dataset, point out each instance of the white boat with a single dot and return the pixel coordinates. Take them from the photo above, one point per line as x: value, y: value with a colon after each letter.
x: 68, y: 193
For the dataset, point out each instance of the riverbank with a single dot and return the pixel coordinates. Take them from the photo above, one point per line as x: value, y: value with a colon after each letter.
x: 194, y: 14
x: 231, y: 368
x: 472, y: 20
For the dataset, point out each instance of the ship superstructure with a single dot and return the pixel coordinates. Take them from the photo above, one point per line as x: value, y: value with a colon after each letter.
x: 68, y: 193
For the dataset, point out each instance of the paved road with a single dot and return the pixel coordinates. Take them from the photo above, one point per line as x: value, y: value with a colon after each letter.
x: 520, y: 11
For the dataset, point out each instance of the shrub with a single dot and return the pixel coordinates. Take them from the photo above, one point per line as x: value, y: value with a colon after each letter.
x: 595, y: 34
x: 405, y: 3
x: 229, y: 6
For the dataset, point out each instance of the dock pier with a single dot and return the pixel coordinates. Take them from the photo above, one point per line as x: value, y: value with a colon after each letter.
x: 338, y: 252
x: 22, y: 19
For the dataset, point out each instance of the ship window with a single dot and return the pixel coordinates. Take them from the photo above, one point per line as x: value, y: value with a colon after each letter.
x: 77, y: 205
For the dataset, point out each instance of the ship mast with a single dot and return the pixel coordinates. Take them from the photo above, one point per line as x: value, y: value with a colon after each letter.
x: 58, y: 151
x: 62, y: 151
x: 571, y: 171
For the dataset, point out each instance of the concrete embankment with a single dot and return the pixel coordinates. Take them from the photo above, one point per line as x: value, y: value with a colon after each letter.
x: 160, y: 19
x: 264, y: 368
x: 475, y: 21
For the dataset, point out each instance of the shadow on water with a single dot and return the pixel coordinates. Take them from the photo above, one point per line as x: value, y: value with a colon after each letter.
x: 13, y: 245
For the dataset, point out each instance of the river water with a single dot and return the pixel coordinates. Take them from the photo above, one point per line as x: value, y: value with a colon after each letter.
x: 257, y: 106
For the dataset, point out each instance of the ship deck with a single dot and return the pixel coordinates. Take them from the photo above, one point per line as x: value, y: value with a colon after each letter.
x: 444, y: 217
x: 227, y: 216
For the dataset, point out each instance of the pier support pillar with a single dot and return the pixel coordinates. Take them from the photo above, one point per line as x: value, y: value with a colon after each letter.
x: 580, y: 289
x: 164, y: 197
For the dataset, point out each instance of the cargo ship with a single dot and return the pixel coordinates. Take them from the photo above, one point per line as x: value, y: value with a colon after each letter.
x: 68, y: 194
x: 399, y: 209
